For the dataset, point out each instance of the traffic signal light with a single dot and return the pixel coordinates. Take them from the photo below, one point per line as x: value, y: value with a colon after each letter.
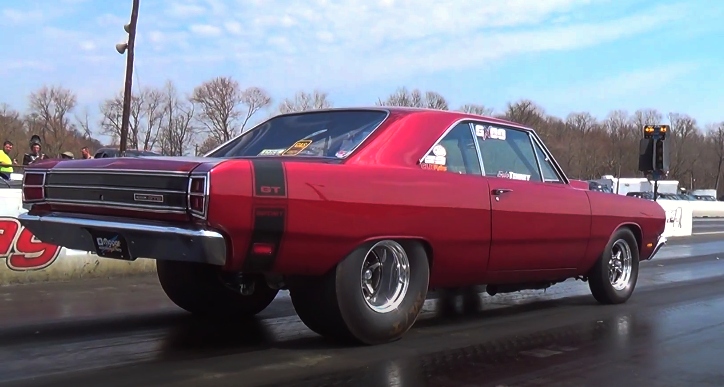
x: 661, y: 155
x: 651, y: 131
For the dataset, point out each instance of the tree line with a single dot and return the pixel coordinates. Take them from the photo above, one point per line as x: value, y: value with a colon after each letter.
x: 173, y: 123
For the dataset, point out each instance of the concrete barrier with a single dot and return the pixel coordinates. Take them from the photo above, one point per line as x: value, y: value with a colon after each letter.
x: 707, y: 209
x: 28, y: 260
x: 679, y: 217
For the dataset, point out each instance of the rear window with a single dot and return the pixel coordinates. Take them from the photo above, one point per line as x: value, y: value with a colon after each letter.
x: 319, y: 134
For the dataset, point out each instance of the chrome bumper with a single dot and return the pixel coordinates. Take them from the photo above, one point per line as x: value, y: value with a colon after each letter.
x: 145, y: 239
x: 659, y: 244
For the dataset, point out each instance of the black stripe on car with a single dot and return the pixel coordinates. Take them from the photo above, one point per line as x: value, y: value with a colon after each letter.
x: 269, y: 178
x: 268, y: 228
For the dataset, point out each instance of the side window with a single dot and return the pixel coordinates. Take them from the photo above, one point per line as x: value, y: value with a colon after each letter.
x: 549, y: 173
x: 507, y: 153
x: 455, y: 153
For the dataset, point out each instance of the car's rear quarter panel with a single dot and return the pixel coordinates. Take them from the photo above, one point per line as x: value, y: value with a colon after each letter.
x: 334, y: 208
x: 611, y: 212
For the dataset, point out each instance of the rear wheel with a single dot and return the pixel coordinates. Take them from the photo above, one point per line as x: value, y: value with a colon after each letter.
x: 613, y: 278
x: 206, y: 290
x: 373, y: 296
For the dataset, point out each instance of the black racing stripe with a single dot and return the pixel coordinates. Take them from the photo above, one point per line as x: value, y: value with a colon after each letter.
x: 269, y: 178
x: 269, y: 224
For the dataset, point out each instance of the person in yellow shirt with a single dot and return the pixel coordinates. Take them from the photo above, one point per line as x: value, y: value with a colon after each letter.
x: 6, y: 163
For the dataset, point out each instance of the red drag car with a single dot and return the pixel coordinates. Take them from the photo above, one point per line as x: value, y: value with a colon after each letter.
x: 358, y: 212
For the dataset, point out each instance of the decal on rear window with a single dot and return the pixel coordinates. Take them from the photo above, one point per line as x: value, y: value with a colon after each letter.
x: 439, y: 150
x: 514, y: 176
x: 297, y: 147
x: 433, y: 167
x: 271, y: 152
x: 485, y: 132
x: 437, y: 160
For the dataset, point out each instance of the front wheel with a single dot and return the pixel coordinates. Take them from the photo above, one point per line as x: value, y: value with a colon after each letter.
x: 373, y: 296
x: 613, y: 278
x: 207, y: 291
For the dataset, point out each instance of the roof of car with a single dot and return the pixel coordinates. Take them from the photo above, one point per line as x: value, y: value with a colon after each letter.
x: 413, y: 110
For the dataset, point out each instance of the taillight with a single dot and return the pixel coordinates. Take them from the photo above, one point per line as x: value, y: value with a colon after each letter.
x: 198, y: 196
x: 33, y: 190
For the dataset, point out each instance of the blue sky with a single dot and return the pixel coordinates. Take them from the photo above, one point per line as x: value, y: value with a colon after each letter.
x: 567, y: 55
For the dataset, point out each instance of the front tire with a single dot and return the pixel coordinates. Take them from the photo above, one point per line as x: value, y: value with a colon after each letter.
x: 613, y: 278
x: 205, y: 290
x: 372, y: 297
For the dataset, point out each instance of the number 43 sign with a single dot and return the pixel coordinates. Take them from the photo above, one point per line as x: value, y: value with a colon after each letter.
x: 21, y: 249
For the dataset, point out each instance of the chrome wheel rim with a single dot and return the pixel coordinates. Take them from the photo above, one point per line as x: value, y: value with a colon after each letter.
x: 385, y: 276
x: 620, y: 265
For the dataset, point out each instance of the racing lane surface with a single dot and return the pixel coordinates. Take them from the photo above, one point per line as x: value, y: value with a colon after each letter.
x: 708, y: 226
x: 125, y: 333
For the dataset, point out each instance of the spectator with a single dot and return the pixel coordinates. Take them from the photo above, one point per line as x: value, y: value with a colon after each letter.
x: 67, y: 156
x: 85, y: 153
x: 35, y: 151
x: 6, y: 163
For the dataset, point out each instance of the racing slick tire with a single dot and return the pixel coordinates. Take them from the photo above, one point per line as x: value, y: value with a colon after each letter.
x: 202, y: 290
x: 357, y: 302
x: 613, y: 277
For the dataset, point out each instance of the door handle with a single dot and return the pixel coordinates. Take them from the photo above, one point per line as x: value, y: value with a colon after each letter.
x: 500, y: 191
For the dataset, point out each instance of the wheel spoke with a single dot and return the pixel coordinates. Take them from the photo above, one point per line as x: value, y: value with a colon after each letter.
x: 385, y: 276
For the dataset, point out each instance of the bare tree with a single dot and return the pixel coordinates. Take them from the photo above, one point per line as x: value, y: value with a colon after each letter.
x: 477, y: 109
x: 145, y: 117
x: 416, y: 99
x: 254, y: 99
x: 52, y: 107
x: 525, y: 112
x: 177, y: 131
x: 303, y: 101
x: 715, y: 136
x: 218, y: 103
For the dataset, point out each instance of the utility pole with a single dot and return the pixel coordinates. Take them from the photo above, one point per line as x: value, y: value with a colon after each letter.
x: 128, y: 48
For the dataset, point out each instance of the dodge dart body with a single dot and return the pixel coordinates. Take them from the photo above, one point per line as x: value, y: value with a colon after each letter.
x: 357, y: 212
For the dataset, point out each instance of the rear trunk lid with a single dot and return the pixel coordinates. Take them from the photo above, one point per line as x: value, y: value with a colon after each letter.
x: 149, y: 187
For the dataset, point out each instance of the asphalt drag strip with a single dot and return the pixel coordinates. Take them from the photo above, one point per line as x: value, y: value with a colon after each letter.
x: 125, y: 333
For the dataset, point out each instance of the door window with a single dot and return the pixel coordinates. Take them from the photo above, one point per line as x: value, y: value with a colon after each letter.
x: 507, y: 153
x: 549, y: 172
x: 455, y: 153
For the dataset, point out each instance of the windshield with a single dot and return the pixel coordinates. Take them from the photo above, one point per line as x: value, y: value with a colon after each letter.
x: 322, y: 134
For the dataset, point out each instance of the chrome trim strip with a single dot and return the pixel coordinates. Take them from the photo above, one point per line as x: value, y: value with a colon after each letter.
x: 381, y: 109
x: 118, y: 206
x: 125, y: 189
x: 660, y: 242
x: 120, y: 172
x: 477, y: 148
x: 557, y: 167
x: 537, y: 161
x: 146, y: 239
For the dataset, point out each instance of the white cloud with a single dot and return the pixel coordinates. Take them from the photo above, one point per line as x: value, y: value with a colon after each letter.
x: 205, y: 30
x: 359, y: 41
x: 14, y: 16
x: 187, y: 10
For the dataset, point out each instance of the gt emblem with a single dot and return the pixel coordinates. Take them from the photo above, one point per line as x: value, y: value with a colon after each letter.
x: 137, y: 197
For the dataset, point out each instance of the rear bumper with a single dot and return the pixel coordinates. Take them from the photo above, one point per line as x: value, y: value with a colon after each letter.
x: 146, y: 239
x: 659, y: 244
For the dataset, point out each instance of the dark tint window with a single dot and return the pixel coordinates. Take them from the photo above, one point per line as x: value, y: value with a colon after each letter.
x: 507, y: 153
x: 321, y: 134
x: 455, y: 153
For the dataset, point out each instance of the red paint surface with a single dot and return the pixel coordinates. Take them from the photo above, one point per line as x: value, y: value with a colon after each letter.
x: 536, y: 231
